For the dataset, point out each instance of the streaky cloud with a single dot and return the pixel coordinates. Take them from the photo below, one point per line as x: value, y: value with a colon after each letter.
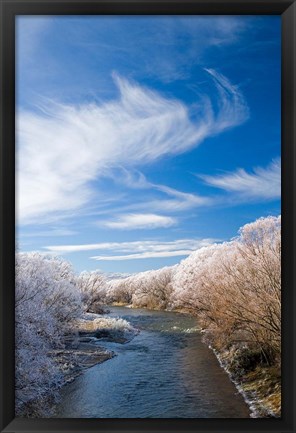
x: 134, y: 246
x: 177, y: 201
x: 63, y: 148
x: 262, y: 183
x: 233, y: 109
x: 147, y: 255
x: 140, y: 221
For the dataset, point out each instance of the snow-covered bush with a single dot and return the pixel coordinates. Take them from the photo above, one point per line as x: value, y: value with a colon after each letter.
x: 150, y: 289
x: 119, y: 290
x: 117, y: 324
x: 92, y: 286
x: 110, y: 328
x: 153, y: 289
x: 235, y: 289
x: 47, y: 299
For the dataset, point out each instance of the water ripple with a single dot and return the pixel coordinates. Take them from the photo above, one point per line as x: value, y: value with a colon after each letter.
x: 164, y: 372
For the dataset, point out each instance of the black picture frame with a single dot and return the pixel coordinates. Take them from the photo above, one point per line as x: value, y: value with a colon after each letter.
x: 9, y: 10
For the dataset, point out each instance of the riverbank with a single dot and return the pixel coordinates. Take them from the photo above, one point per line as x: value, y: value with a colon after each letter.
x: 70, y: 362
x: 260, y: 385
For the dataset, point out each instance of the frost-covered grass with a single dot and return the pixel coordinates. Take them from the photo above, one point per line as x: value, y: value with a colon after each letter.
x: 117, y: 324
x: 259, y: 384
x: 264, y: 384
x: 113, y: 329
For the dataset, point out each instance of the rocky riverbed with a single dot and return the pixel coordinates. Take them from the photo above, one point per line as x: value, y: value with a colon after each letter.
x: 82, y: 346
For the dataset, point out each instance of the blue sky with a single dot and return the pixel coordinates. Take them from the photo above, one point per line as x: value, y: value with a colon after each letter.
x: 141, y: 139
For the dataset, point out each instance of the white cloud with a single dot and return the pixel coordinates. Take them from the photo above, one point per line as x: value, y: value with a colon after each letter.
x: 148, y: 246
x: 62, y: 148
x: 140, y: 221
x: 154, y: 249
x: 147, y: 255
x: 179, y: 200
x: 233, y: 109
x: 262, y: 183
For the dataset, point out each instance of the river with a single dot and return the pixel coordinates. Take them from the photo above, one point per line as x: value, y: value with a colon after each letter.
x: 164, y: 372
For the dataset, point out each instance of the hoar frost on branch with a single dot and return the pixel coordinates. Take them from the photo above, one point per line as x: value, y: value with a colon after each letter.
x: 235, y: 288
x: 92, y: 289
x: 150, y: 289
x: 47, y: 299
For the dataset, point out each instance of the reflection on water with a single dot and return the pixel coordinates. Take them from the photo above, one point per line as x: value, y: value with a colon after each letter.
x: 164, y: 372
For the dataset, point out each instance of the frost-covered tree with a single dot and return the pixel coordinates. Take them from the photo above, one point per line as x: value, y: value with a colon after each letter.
x: 235, y: 289
x: 120, y: 290
x: 92, y: 288
x: 150, y: 289
x: 46, y: 300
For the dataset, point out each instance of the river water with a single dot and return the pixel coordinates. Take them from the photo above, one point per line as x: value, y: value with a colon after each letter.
x: 164, y: 372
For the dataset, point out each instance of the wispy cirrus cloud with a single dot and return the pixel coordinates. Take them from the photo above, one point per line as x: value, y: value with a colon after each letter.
x: 262, y: 183
x: 142, y: 249
x: 198, y: 33
x: 170, y: 199
x: 233, y: 109
x: 178, y: 248
x: 179, y: 200
x: 146, y: 255
x: 63, y: 148
x: 140, y: 221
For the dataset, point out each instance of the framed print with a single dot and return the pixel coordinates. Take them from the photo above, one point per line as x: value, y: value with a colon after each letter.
x: 147, y: 216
